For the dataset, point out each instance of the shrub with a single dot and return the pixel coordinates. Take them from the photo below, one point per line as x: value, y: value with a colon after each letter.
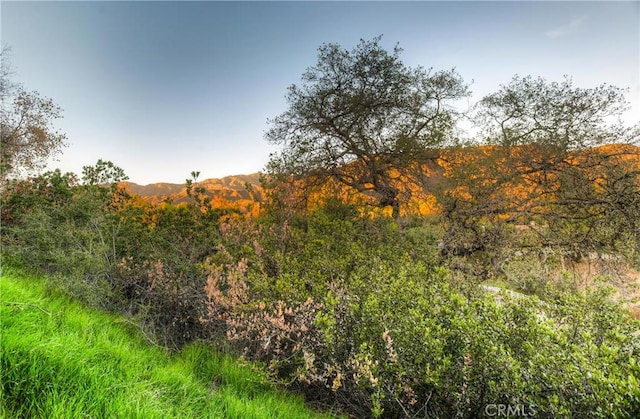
x: 111, y: 250
x: 397, y: 340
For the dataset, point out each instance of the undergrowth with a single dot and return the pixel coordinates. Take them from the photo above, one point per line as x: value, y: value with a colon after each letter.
x: 61, y: 360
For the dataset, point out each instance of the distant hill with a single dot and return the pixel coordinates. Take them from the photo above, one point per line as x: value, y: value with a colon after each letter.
x: 232, y: 191
x: 227, y: 190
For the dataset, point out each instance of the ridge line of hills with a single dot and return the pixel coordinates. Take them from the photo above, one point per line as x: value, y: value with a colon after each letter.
x: 232, y: 190
x: 225, y: 189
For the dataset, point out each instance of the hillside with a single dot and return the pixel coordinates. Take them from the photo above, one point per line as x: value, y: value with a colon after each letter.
x: 226, y: 190
x: 61, y: 360
x: 240, y: 191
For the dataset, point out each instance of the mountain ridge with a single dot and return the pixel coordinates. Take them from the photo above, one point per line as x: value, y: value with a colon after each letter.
x: 245, y: 189
x: 228, y: 189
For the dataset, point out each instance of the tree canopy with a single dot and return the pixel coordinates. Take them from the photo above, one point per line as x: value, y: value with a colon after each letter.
x: 28, y: 137
x: 555, y: 115
x: 362, y: 117
x: 552, y: 154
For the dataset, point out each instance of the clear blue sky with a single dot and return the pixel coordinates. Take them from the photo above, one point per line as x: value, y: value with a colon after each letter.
x: 164, y: 88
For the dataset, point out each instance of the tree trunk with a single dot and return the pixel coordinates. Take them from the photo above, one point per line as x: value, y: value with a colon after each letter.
x: 395, y: 213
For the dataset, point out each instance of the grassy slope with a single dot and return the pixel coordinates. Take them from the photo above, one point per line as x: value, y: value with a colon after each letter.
x: 72, y: 362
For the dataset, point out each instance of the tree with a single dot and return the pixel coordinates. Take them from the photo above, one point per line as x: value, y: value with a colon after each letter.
x: 552, y: 154
x: 363, y: 118
x: 103, y: 173
x: 27, y: 137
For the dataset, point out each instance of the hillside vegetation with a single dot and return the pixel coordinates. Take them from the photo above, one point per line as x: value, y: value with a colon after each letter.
x: 230, y: 191
x: 358, y: 313
x: 59, y: 359
x: 385, y: 267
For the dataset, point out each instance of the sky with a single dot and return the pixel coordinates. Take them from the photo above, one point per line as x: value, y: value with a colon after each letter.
x: 165, y: 88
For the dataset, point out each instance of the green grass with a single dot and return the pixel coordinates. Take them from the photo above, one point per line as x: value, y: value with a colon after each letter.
x: 59, y: 359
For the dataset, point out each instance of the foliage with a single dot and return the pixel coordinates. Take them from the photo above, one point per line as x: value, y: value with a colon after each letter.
x: 556, y: 116
x: 110, y: 250
x: 28, y: 138
x: 355, y: 312
x: 364, y: 118
x: 392, y: 335
x: 553, y: 161
x: 376, y: 316
x: 108, y: 369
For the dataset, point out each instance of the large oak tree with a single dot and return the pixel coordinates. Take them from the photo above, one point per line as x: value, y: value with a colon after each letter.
x: 364, y: 118
x: 553, y: 154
